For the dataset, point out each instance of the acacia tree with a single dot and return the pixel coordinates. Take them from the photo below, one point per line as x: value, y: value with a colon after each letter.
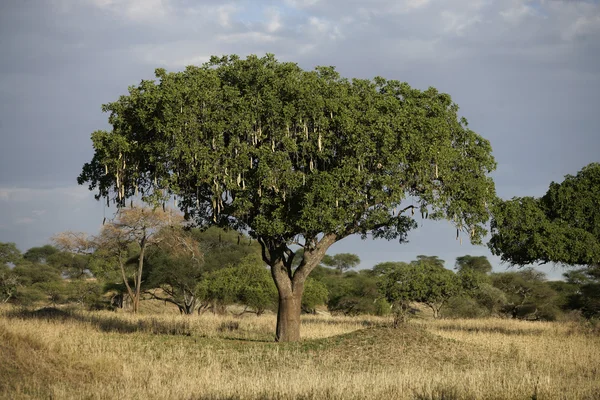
x: 424, y: 281
x: 341, y: 261
x: 293, y: 157
x: 476, y: 264
x: 139, y: 227
x: 563, y: 226
x: 71, y: 253
x: 176, y: 266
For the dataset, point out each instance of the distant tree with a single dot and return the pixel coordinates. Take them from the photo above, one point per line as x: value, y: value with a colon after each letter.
x: 40, y: 255
x: 429, y: 260
x: 72, y: 254
x: 84, y: 292
x: 315, y: 294
x: 9, y: 282
x: 265, y: 147
x: 9, y: 254
x: 423, y: 281
x: 563, y: 226
x: 582, y: 289
x: 341, y: 261
x: 528, y: 294
x: 38, y: 282
x: 479, y: 264
x: 353, y: 293
x: 491, y: 298
x: 256, y: 288
x: 219, y: 289
x: 248, y: 283
x: 387, y: 267
x: 137, y: 227
x: 175, y: 267
x: 221, y: 248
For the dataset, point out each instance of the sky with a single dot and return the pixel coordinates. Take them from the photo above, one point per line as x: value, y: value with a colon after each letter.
x: 526, y: 75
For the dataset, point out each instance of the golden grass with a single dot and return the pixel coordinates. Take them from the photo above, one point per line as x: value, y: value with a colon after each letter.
x: 103, y: 355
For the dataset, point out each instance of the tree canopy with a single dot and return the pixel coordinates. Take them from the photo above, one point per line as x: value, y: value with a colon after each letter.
x: 341, y: 261
x: 563, y: 226
x: 421, y: 281
x: 293, y: 157
x: 478, y: 264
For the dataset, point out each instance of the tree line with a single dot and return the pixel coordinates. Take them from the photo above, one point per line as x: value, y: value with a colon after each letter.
x: 199, y: 271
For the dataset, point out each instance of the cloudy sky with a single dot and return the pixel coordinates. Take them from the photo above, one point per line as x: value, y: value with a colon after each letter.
x: 526, y: 75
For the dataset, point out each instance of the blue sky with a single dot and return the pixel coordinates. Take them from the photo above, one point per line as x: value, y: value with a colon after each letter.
x: 526, y: 75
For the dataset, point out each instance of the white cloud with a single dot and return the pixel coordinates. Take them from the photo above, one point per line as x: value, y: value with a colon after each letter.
x: 273, y: 22
x: 25, y: 221
x: 133, y: 10
x: 301, y: 3
x: 585, y: 25
x: 414, y: 4
x: 247, y: 37
x: 225, y: 13
x: 323, y: 27
x: 458, y: 23
x: 13, y: 194
x: 517, y: 12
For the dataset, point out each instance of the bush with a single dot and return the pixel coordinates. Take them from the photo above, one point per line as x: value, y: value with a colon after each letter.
x: 464, y: 307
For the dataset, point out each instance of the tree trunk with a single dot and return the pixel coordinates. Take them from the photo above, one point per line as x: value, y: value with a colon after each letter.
x: 288, y: 317
x: 290, y: 283
x: 138, y: 278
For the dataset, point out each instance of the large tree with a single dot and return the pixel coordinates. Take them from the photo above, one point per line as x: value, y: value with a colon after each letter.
x: 293, y: 157
x: 563, y: 226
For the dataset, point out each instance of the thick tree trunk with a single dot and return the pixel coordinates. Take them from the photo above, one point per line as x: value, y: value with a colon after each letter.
x: 288, y: 317
x: 290, y: 283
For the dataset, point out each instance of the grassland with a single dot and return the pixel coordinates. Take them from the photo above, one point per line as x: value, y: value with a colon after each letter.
x: 103, y: 355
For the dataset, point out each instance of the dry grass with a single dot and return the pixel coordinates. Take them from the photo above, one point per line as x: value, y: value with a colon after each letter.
x: 102, y: 355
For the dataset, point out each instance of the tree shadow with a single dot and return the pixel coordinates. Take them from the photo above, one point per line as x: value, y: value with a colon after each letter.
x: 106, y: 323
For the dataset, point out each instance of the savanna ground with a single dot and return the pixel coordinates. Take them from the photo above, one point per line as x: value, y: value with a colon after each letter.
x: 70, y: 354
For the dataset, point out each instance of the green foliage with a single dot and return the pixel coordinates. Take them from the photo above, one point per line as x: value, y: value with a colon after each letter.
x: 9, y: 253
x: 315, y: 294
x: 221, y: 248
x: 256, y: 287
x: 266, y: 147
x: 478, y: 264
x: 9, y: 282
x: 342, y: 261
x: 30, y: 274
x: 464, y: 307
x: 491, y: 298
x: 176, y: 275
x: 323, y: 151
x: 220, y: 287
x: 248, y: 283
x: 40, y: 255
x: 352, y: 293
x: 581, y: 291
x: 563, y: 226
x: 28, y: 295
x: 84, y: 292
x: 528, y: 294
x: 422, y: 281
x: 387, y: 267
x: 71, y: 265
